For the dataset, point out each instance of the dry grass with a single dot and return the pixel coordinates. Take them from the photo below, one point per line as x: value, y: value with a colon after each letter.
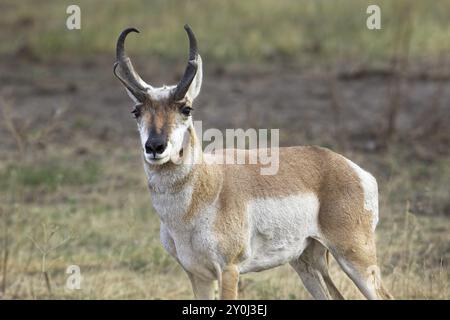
x: 107, y: 227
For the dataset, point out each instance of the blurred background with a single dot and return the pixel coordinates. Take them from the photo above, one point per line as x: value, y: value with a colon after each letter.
x: 72, y: 187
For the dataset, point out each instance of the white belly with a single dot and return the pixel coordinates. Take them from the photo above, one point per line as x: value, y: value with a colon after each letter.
x: 280, y: 228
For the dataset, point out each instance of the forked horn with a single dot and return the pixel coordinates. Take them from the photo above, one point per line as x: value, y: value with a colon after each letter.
x: 191, y: 68
x: 124, y: 71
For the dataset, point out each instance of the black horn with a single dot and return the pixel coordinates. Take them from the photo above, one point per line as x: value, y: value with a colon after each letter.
x: 191, y: 68
x: 123, y: 68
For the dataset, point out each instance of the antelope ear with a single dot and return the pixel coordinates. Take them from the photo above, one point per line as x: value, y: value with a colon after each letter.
x: 196, y: 84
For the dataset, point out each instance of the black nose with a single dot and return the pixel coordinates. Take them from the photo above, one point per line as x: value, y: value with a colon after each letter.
x: 155, y: 145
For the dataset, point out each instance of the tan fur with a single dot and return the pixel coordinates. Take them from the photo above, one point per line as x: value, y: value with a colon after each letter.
x: 301, y: 169
x: 230, y: 279
x: 207, y: 183
x: 225, y: 191
x: 158, y: 115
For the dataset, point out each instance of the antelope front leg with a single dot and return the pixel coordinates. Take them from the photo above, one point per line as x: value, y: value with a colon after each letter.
x: 203, y: 289
x: 230, y: 279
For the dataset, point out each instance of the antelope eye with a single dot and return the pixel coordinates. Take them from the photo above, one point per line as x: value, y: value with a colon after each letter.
x: 186, y: 110
x: 136, y: 112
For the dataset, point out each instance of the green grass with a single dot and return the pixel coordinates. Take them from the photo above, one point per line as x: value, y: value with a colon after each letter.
x: 256, y: 31
x: 49, y: 174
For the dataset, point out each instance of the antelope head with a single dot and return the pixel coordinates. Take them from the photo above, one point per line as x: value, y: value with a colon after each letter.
x: 163, y: 114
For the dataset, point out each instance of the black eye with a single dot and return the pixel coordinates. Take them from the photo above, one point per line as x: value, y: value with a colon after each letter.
x: 136, y: 112
x: 186, y: 110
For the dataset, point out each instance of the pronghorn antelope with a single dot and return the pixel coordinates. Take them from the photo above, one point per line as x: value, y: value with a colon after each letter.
x: 222, y: 220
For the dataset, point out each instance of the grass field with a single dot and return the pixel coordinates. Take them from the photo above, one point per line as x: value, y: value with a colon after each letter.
x: 72, y: 186
x: 105, y: 225
x: 290, y: 31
